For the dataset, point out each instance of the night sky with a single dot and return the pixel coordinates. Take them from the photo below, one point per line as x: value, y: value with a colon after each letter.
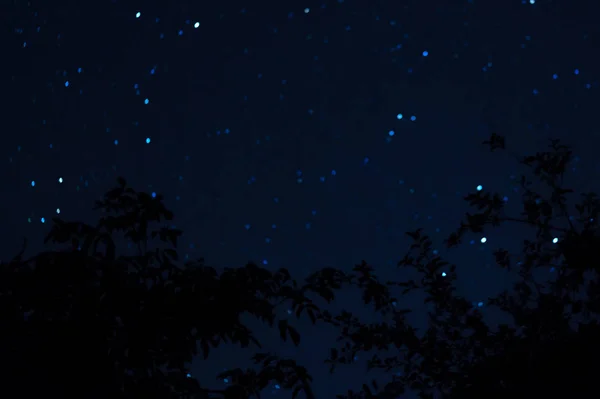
x: 294, y: 134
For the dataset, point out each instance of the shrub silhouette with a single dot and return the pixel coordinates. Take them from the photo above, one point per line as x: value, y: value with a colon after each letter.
x: 85, y: 320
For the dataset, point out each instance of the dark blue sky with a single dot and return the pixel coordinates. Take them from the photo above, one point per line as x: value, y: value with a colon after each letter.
x: 274, y: 131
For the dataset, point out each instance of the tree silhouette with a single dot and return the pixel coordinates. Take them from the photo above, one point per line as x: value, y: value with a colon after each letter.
x: 91, y: 320
x: 548, y: 350
x: 82, y: 321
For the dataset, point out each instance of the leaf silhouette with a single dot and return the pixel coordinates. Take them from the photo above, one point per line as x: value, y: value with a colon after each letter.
x: 139, y: 320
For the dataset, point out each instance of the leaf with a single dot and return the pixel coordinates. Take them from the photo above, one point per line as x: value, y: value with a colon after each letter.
x: 495, y: 142
x: 285, y: 329
x: 296, y: 391
x: 334, y: 354
x: 294, y: 335
x: 171, y: 253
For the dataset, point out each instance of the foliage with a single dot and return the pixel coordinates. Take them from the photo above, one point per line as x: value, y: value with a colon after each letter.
x: 550, y: 347
x: 87, y: 320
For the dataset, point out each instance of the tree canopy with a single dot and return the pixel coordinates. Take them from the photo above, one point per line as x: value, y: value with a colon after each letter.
x: 93, y: 320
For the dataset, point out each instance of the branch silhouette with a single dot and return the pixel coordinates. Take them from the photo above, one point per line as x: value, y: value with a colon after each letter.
x: 90, y: 319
